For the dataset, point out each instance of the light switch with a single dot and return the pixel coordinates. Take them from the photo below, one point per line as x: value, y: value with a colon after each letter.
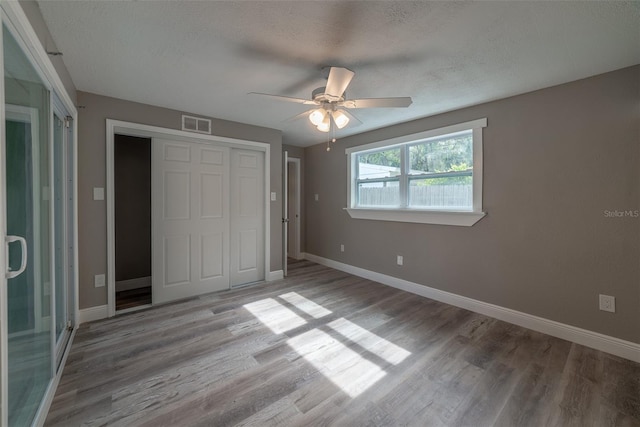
x: 316, y: 196
x: 98, y: 193
x: 273, y: 196
x: 99, y: 280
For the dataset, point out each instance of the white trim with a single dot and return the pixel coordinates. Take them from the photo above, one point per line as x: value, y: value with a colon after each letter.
x: 76, y: 252
x: 445, y: 216
x: 466, y: 219
x: 297, y: 219
x: 4, y: 299
x: 130, y: 284
x: 93, y: 313
x: 473, y: 124
x: 275, y: 275
x: 148, y: 131
x: 626, y: 349
x: 477, y: 169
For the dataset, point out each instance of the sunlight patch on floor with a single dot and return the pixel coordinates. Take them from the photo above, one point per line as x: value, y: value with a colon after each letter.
x: 303, y: 304
x: 327, y: 352
x: 274, y: 315
x: 341, y: 365
x: 369, y: 341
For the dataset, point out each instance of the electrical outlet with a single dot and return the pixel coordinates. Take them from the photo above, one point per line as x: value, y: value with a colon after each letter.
x: 400, y: 260
x: 341, y: 248
x: 98, y: 280
x: 607, y: 303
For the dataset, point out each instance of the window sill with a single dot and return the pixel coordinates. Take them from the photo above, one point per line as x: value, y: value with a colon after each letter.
x: 465, y: 219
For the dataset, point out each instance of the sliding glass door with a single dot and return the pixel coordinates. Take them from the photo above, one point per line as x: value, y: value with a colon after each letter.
x: 63, y: 227
x: 29, y: 230
x: 37, y: 223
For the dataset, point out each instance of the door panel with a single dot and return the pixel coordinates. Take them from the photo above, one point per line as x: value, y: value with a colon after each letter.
x: 177, y: 189
x: 28, y: 191
x: 285, y: 212
x: 247, y: 216
x: 211, y: 195
x: 248, y: 244
x: 62, y: 208
x: 190, y: 219
x: 177, y: 260
x: 212, y: 255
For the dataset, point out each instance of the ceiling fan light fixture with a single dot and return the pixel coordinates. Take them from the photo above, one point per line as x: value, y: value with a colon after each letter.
x: 340, y: 118
x: 325, y: 125
x: 317, y: 116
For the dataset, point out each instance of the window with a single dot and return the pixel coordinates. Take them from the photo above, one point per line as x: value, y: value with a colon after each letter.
x: 430, y: 177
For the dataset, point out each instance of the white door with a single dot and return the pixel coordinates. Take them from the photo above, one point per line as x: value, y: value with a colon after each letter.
x: 190, y: 210
x: 285, y: 211
x: 247, y: 216
x: 293, y: 212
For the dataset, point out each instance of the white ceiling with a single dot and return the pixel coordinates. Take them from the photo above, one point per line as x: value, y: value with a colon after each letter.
x: 204, y: 57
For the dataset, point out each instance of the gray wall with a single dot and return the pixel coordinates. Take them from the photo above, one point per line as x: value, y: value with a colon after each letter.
x: 132, y: 176
x: 554, y: 161
x: 92, y: 221
x: 32, y: 11
x: 298, y: 152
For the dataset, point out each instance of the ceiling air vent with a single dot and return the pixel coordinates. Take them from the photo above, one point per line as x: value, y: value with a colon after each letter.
x: 196, y: 124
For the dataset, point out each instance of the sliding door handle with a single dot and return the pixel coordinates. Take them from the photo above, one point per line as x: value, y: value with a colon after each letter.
x: 23, y: 263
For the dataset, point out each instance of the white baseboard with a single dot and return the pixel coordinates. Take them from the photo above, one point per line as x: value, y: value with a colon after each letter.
x: 93, y: 313
x: 275, y: 275
x: 130, y: 284
x: 626, y: 349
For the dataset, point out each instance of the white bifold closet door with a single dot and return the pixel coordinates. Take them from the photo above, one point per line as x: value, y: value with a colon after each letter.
x: 190, y: 216
x: 247, y: 216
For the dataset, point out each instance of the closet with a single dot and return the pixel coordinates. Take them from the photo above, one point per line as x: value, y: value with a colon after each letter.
x: 209, y: 216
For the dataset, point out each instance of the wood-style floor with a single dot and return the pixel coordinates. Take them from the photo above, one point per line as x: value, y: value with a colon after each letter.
x: 326, y: 348
x: 133, y: 298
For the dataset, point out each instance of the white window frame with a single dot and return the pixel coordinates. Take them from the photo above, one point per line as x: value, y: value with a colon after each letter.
x: 416, y: 215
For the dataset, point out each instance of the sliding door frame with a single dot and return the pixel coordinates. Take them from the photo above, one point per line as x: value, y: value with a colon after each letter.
x: 12, y: 15
x: 119, y: 127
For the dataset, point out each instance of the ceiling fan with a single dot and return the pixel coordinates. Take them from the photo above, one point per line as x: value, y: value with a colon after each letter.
x: 331, y: 103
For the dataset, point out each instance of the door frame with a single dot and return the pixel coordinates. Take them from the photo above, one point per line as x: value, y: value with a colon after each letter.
x: 14, y: 17
x: 58, y: 108
x: 285, y: 210
x: 296, y: 225
x: 114, y: 127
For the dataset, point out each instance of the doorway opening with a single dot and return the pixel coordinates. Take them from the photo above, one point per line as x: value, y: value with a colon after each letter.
x: 291, y: 217
x: 132, y: 185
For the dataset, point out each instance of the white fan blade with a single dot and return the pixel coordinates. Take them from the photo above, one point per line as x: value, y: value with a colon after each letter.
x: 286, y: 98
x: 400, y: 102
x: 298, y: 116
x: 339, y: 79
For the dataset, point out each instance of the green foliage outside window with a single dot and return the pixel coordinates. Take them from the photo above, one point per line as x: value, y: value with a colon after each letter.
x: 450, y: 154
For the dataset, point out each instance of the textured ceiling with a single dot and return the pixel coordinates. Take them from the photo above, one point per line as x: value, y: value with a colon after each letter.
x: 205, y: 56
